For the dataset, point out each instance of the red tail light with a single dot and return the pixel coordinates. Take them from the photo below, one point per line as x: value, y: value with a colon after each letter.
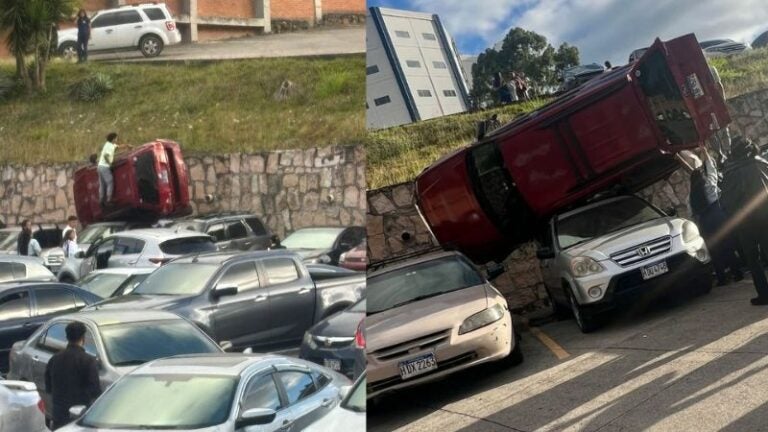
x: 170, y: 25
x: 160, y: 261
x: 359, y: 337
x: 41, y: 406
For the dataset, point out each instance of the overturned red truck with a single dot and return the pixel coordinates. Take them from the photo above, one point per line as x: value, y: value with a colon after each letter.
x: 620, y: 129
x: 150, y: 182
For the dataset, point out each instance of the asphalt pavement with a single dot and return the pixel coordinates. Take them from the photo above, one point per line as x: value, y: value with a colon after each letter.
x: 699, y: 365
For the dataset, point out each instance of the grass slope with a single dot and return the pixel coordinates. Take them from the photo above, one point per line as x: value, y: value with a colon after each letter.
x: 207, y: 107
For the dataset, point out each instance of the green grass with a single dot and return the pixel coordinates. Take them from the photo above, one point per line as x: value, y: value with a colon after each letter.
x: 212, y: 107
x: 743, y: 73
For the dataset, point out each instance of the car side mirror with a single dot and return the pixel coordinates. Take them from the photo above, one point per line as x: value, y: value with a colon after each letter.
x: 76, y: 411
x: 80, y: 255
x: 225, y: 290
x: 226, y: 346
x: 325, y: 259
x: 545, y: 253
x: 494, y: 270
x: 671, y: 211
x: 256, y: 416
x: 248, y: 350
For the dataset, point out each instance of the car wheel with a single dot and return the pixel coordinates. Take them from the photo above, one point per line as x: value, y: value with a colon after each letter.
x: 68, y: 51
x: 151, y: 46
x: 557, y: 309
x: 586, y: 321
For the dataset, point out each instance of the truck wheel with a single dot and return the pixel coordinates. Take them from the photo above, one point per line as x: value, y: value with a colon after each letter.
x: 586, y: 321
x: 68, y: 51
x: 151, y: 46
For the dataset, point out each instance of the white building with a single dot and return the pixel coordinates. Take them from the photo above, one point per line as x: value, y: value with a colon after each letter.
x: 413, y: 70
x: 467, y: 61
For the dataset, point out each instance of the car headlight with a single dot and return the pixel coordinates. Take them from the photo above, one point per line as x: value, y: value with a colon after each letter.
x: 482, y: 319
x: 309, y: 340
x: 585, y: 266
x: 690, y: 232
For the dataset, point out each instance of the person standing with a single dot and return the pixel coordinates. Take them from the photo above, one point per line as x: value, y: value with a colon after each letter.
x: 745, y: 200
x: 83, y: 35
x: 26, y: 244
x: 71, y: 376
x: 721, y: 140
x: 70, y: 244
x: 106, y: 181
x: 71, y: 225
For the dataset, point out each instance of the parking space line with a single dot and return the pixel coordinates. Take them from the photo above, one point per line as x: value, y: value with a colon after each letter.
x: 550, y: 343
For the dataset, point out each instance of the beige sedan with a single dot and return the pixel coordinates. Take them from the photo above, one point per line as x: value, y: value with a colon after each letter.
x: 431, y: 317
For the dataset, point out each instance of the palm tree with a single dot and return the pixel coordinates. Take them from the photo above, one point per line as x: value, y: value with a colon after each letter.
x: 13, y: 19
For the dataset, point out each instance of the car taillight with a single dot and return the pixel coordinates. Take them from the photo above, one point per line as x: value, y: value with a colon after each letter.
x: 41, y: 406
x: 359, y: 337
x: 170, y: 25
x: 160, y: 261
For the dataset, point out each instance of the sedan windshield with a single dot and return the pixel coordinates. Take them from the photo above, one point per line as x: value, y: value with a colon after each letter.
x: 103, y: 284
x: 172, y: 401
x: 312, y: 238
x: 179, y: 279
x: 420, y: 281
x: 604, y: 219
x: 132, y: 344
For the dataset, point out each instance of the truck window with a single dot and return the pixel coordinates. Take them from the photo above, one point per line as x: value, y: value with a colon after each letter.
x: 665, y: 100
x: 280, y: 270
x: 243, y: 275
x: 146, y: 177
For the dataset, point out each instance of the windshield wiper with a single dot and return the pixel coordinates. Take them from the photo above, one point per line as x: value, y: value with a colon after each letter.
x: 415, y: 299
x: 130, y: 362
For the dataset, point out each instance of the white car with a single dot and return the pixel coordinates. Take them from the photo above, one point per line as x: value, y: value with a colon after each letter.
x: 349, y: 414
x: 20, y: 408
x: 146, y: 27
x: 113, y: 282
x: 613, y: 252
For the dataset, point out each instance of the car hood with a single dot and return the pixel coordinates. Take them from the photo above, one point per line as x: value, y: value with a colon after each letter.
x: 424, y: 317
x: 339, y: 419
x: 343, y: 324
x: 307, y: 254
x: 601, y: 248
x: 139, y: 301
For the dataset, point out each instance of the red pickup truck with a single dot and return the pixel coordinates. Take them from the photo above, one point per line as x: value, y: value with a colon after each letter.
x: 151, y: 181
x: 621, y: 128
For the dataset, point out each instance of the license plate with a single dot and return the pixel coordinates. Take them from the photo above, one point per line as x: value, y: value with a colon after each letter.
x: 332, y: 364
x: 420, y: 365
x: 654, y: 270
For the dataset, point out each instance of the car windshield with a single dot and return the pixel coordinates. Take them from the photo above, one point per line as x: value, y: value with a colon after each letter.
x: 177, y: 279
x: 603, y: 219
x: 92, y: 233
x: 172, y: 401
x: 103, y: 284
x: 131, y: 344
x: 188, y: 245
x: 312, y: 238
x: 8, y: 240
x: 420, y: 281
x: 356, y: 399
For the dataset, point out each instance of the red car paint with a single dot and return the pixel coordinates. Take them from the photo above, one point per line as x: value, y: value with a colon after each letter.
x: 149, y: 181
x: 356, y: 258
x: 621, y: 128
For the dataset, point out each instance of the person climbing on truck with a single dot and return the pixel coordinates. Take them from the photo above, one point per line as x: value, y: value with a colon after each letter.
x: 106, y: 181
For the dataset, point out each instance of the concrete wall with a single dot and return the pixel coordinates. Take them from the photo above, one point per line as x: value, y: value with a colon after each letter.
x: 391, y: 212
x: 290, y: 189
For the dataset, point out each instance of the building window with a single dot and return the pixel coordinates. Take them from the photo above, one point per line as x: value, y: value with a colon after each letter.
x: 402, y: 34
x: 449, y: 93
x: 413, y: 63
x: 382, y: 100
x: 370, y: 70
x: 425, y: 93
x: 439, y: 65
x: 428, y: 36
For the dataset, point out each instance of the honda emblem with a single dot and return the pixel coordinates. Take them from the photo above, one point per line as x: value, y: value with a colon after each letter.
x: 643, y: 252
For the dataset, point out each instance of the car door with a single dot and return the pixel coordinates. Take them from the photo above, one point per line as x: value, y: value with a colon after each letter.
x: 261, y: 237
x: 103, y: 32
x: 126, y: 252
x: 262, y: 391
x: 547, y: 265
x: 128, y: 25
x: 239, y: 235
x: 219, y: 233
x: 291, y: 299
x: 244, y: 318
x: 15, y: 321
x: 97, y: 257
x: 308, y: 401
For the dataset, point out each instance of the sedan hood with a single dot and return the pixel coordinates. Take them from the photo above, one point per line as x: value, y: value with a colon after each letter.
x: 343, y: 324
x: 601, y: 248
x: 139, y: 301
x: 424, y: 317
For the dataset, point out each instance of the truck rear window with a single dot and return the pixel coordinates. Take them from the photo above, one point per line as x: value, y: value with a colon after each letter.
x: 187, y: 245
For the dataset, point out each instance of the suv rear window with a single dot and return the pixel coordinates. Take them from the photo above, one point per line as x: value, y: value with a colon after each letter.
x: 187, y: 245
x: 155, y: 14
x: 48, y: 237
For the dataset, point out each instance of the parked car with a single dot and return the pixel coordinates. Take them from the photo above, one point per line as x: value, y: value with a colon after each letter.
x: 151, y: 182
x: 9, y: 238
x: 25, y: 306
x: 348, y: 415
x: 47, y: 235
x: 228, y: 392
x: 323, y: 245
x: 761, y: 41
x: 231, y: 231
x: 722, y: 47
x: 355, y: 258
x: 337, y: 342
x: 19, y: 268
x: 20, y: 407
x: 619, y: 129
x: 431, y: 316
x: 113, y: 282
x: 120, y: 340
x: 135, y: 248
x: 636, y: 54
x: 577, y: 75
x: 606, y: 254
x: 148, y: 28
x: 264, y: 299
x: 99, y: 230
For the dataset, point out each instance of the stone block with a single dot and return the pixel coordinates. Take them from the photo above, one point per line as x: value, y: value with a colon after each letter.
x: 379, y: 203
x: 403, y: 196
x: 351, y: 194
x: 273, y: 161
x: 290, y: 181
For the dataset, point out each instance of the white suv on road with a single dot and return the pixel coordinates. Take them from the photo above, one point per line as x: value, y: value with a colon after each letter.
x: 148, y: 27
x: 617, y: 252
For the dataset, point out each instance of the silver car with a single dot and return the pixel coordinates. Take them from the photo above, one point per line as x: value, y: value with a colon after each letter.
x: 120, y: 340
x: 19, y: 407
x: 596, y: 258
x: 215, y: 393
x: 18, y: 268
x: 113, y: 282
x: 348, y: 415
x: 135, y: 248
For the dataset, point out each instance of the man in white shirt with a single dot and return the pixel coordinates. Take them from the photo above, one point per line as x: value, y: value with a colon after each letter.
x: 71, y: 225
x: 106, y: 158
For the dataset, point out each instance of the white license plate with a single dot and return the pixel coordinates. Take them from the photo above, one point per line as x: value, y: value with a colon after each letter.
x: 332, y: 364
x: 654, y: 270
x: 420, y: 365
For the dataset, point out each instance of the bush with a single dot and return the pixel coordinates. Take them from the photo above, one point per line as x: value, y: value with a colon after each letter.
x: 93, y: 88
x: 8, y: 87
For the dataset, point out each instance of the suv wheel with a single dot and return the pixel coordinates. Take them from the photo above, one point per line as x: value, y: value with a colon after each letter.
x: 586, y: 321
x: 68, y: 51
x: 558, y: 310
x: 151, y: 46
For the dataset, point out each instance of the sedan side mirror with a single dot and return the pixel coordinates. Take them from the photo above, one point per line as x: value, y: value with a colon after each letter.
x: 255, y: 416
x: 76, y: 411
x: 80, y: 255
x: 225, y: 290
x: 545, y: 253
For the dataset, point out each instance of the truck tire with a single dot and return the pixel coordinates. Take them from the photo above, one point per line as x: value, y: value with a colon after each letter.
x: 151, y: 45
x: 586, y: 321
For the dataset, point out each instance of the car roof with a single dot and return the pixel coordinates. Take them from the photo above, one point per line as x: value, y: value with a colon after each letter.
x: 431, y: 256
x: 124, y: 270
x: 159, y: 234
x: 21, y: 259
x: 25, y: 282
x: 593, y: 205
x: 111, y: 316
x: 224, y: 256
x: 211, y: 216
x: 211, y: 364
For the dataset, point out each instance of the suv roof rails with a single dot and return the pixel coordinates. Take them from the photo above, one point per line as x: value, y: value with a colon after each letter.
x: 375, y: 265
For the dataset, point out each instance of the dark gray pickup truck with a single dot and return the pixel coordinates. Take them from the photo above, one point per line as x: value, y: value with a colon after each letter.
x: 263, y: 300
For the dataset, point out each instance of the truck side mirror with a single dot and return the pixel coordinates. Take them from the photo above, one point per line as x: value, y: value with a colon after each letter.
x: 225, y: 290
x: 545, y: 253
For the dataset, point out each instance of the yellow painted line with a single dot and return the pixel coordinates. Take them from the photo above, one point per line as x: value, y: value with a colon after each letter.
x: 550, y: 343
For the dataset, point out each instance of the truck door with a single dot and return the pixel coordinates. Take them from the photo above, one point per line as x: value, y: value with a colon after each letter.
x: 291, y: 300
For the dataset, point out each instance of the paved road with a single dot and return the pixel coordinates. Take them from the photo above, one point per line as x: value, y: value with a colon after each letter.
x: 317, y: 42
x: 698, y: 366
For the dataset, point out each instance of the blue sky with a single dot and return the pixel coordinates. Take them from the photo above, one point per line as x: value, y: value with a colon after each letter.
x: 602, y: 29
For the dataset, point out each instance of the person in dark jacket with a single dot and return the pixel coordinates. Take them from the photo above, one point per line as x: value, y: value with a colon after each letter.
x: 745, y: 200
x: 83, y: 35
x: 72, y: 376
x: 22, y: 245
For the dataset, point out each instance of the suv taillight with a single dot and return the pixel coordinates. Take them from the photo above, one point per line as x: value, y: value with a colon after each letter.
x: 359, y: 338
x: 41, y: 405
x: 170, y: 25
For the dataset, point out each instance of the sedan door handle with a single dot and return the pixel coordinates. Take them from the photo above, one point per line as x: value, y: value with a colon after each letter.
x: 109, y: 30
x: 327, y: 402
x: 35, y: 358
x: 260, y: 298
x: 138, y: 26
x: 286, y: 425
x: 304, y: 290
